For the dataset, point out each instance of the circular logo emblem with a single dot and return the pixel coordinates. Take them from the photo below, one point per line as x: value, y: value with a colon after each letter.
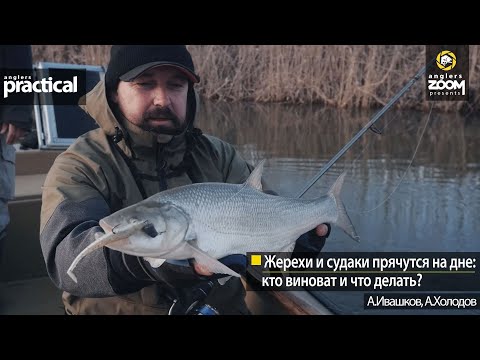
x: 446, y: 60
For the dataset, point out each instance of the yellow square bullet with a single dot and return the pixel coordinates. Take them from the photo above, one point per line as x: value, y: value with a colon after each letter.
x: 256, y: 260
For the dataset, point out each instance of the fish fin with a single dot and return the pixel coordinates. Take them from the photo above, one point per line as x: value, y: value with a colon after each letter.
x: 154, y: 262
x: 223, y: 280
x: 190, y: 233
x: 209, y: 263
x: 343, y: 220
x: 255, y: 178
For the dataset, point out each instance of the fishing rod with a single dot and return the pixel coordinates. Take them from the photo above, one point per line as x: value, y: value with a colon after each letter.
x: 369, y: 125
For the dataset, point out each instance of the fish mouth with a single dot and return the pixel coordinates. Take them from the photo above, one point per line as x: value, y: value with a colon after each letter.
x: 147, y: 228
x: 106, y: 227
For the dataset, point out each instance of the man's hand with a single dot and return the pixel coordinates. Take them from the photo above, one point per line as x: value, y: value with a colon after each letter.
x: 13, y: 133
x: 322, y: 230
x: 313, y: 241
x: 200, y: 270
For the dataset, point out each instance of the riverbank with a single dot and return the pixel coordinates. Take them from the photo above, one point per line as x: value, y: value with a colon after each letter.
x: 340, y: 76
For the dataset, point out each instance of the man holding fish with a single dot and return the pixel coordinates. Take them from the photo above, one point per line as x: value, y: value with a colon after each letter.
x: 146, y: 143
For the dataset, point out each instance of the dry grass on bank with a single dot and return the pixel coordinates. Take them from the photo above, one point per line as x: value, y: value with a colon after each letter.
x: 342, y: 76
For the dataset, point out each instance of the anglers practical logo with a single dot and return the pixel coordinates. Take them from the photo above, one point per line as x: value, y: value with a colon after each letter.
x: 448, y: 80
x: 56, y: 86
x: 25, y: 84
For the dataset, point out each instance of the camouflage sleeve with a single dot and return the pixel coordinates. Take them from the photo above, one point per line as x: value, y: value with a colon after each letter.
x: 72, y: 205
x: 234, y: 168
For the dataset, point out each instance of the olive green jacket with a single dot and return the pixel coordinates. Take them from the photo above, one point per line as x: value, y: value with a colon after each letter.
x: 91, y: 180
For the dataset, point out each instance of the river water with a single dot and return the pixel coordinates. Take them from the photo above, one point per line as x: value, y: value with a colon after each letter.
x: 432, y: 205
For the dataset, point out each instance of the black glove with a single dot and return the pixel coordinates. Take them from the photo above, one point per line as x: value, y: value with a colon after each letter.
x: 181, y: 284
x: 130, y: 273
x: 311, y: 242
x: 189, y: 300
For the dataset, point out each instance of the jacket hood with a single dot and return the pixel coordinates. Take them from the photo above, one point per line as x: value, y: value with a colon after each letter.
x: 98, y: 107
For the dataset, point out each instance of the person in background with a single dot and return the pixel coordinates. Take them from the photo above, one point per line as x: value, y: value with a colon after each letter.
x: 146, y: 143
x: 15, y: 121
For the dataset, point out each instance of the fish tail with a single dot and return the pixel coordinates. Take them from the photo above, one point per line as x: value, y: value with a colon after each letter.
x: 343, y: 220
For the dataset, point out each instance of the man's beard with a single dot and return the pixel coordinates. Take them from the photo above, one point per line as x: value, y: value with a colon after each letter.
x: 176, y: 126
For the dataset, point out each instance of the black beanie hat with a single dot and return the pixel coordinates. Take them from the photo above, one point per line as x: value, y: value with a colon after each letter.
x: 129, y: 61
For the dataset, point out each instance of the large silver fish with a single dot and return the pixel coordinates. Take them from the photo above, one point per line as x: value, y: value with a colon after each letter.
x: 208, y: 221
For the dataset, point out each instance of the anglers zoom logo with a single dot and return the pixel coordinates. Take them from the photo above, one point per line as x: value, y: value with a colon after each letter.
x: 446, y: 60
x: 448, y: 80
x: 54, y: 86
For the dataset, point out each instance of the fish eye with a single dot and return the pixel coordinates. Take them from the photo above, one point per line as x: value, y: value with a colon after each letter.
x: 150, y: 230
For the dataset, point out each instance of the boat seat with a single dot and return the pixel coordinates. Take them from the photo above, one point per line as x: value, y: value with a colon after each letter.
x: 28, y: 187
x: 21, y: 256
